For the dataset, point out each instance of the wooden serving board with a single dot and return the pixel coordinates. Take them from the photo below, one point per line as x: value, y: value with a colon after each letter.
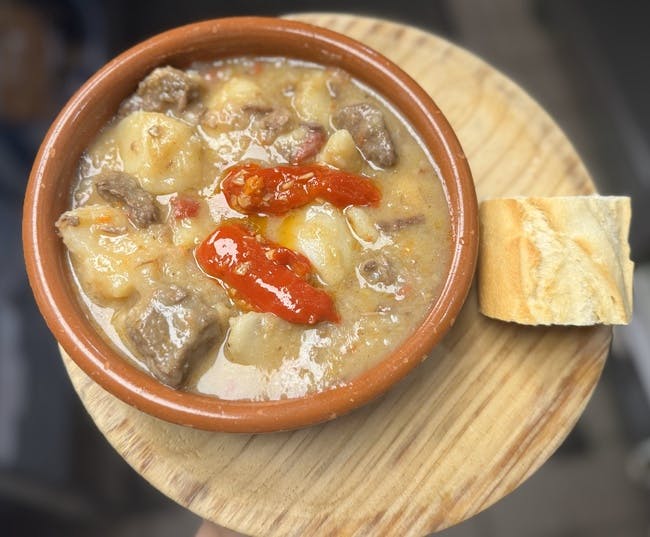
x: 481, y: 414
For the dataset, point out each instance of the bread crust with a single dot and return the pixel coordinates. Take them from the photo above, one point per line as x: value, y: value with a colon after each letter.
x: 559, y: 260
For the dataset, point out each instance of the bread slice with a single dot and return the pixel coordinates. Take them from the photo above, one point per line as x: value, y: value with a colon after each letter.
x: 562, y: 260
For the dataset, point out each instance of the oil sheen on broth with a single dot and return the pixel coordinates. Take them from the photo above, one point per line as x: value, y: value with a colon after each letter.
x: 158, y: 181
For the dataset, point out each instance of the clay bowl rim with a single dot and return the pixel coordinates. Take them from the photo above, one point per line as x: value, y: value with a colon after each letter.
x: 96, y: 101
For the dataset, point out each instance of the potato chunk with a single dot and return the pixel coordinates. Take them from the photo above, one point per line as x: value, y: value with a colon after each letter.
x: 362, y: 224
x: 341, y: 152
x: 106, y: 250
x: 312, y: 100
x: 261, y: 339
x: 238, y: 92
x: 188, y: 231
x: 319, y: 232
x: 162, y: 152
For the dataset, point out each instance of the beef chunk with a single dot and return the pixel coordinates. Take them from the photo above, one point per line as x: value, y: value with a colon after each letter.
x: 169, y: 329
x: 398, y: 224
x: 271, y: 124
x: 266, y: 122
x: 139, y: 205
x: 167, y: 88
x: 365, y: 123
x: 301, y: 143
x: 378, y: 270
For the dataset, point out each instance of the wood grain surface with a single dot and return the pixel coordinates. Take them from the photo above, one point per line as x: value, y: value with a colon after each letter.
x: 487, y: 408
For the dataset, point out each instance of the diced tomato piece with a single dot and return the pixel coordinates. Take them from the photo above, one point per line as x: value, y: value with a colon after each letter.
x: 184, y: 206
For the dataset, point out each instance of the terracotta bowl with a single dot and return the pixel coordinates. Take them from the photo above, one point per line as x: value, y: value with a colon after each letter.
x: 48, y: 195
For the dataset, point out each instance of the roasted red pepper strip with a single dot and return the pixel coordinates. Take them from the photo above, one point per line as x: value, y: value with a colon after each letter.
x: 251, y: 189
x: 268, y: 277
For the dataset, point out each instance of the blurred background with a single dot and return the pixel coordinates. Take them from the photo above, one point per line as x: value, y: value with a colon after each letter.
x: 586, y: 61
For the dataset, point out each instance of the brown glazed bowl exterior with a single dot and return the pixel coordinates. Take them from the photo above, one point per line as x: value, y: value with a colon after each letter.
x: 49, y: 194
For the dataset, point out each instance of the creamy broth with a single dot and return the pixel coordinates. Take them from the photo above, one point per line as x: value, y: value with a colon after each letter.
x: 150, y: 190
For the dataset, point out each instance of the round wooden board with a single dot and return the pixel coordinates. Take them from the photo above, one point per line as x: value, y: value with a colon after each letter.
x: 480, y: 415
